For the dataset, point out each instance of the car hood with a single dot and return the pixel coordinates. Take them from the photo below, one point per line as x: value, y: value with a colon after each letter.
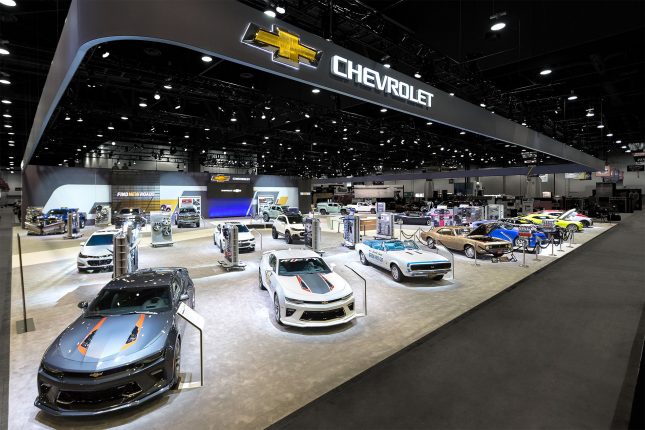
x: 245, y: 236
x: 96, y: 251
x: 417, y: 256
x: 296, y: 226
x: 567, y: 215
x: 315, y: 286
x: 100, y: 342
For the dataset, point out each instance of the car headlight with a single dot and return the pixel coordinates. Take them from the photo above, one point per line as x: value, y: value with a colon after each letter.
x: 293, y: 301
x: 81, y: 255
x: 51, y: 370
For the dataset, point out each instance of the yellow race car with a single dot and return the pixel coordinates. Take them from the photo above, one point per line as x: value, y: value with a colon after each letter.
x: 569, y: 225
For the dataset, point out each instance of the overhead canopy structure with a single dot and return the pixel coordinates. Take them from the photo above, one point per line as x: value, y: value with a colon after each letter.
x: 238, y: 33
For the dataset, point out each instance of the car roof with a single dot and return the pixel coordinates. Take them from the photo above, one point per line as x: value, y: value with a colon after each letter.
x: 294, y: 253
x: 144, y: 278
x: 106, y: 231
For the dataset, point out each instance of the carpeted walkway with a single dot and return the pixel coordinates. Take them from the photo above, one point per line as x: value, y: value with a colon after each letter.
x: 559, y: 351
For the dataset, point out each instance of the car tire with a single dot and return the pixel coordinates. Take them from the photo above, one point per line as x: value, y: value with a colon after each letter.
x: 585, y: 224
x: 430, y: 242
x: 198, y: 224
x: 396, y: 273
x: 274, y: 233
x: 323, y: 212
x: 265, y: 217
x: 372, y: 211
x: 260, y: 283
x: 518, y: 242
x: 343, y: 212
x: 363, y: 258
x: 469, y: 250
x: 287, y: 237
x: 437, y: 278
x: 276, y: 310
x: 571, y: 228
x: 82, y: 223
x: 176, y: 361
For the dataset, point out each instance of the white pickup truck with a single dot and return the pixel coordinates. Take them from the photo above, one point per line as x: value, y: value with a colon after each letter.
x: 362, y: 207
x: 288, y: 225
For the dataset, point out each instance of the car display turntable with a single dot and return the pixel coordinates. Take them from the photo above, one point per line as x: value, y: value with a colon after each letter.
x: 256, y: 371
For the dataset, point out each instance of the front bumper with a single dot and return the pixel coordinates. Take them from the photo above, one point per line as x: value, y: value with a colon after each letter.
x: 318, y: 315
x: 434, y: 270
x: 94, y: 262
x: 247, y: 245
x: 82, y: 395
x: 189, y: 221
x: 297, y: 234
x: 495, y: 252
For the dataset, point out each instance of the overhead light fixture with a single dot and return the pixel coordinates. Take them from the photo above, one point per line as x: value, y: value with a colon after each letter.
x: 545, y: 72
x: 610, y: 134
x: 619, y: 141
x: 601, y: 125
x: 590, y: 113
x: 429, y: 123
x: 106, y: 54
x: 383, y: 110
x: 80, y: 120
x: 4, y: 51
x: 269, y: 12
x: 168, y: 87
x: 110, y: 127
x: 5, y: 82
x: 6, y: 102
x: 157, y: 96
x: 387, y: 65
x: 6, y: 115
x: 177, y: 107
x: 417, y: 75
x: 482, y: 105
x: 207, y: 59
x: 143, y: 104
x: 462, y: 132
x: 233, y: 119
x: 451, y: 94
x: 113, y: 143
x: 315, y: 91
x: 572, y: 96
x: 124, y: 118
x: 67, y: 118
x: 99, y: 135
x: 498, y: 25
x: 10, y: 3
x: 280, y: 9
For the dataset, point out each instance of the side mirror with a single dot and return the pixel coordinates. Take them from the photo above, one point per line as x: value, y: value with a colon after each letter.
x: 82, y: 305
x: 184, y: 297
x: 82, y: 244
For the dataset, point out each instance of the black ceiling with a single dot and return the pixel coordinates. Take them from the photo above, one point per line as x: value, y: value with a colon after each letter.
x: 599, y: 57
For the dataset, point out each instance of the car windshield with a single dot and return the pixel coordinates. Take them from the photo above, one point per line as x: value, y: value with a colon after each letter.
x: 462, y: 231
x: 100, y: 240
x: 409, y: 244
x: 301, y: 266
x: 57, y: 212
x: 242, y: 228
x: 187, y: 210
x: 129, y: 211
x: 131, y: 300
x: 395, y: 245
x: 295, y: 219
x: 284, y: 208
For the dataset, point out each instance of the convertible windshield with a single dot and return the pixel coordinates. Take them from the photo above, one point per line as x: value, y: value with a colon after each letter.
x: 295, y: 219
x: 409, y: 244
x: 100, y: 240
x: 123, y: 301
x: 396, y: 245
x: 301, y: 266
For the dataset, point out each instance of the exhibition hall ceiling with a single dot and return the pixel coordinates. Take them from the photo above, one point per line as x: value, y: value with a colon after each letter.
x: 148, y: 101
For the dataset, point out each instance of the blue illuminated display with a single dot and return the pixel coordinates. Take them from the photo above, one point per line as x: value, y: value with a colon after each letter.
x: 228, y: 207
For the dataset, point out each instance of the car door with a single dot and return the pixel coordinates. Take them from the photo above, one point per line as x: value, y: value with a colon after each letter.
x: 448, y: 238
x: 175, y: 291
x: 280, y: 223
x: 376, y: 255
x: 270, y: 273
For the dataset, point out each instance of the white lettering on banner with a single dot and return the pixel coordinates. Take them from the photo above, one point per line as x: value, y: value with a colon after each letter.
x: 346, y: 69
x: 234, y: 178
x: 135, y: 194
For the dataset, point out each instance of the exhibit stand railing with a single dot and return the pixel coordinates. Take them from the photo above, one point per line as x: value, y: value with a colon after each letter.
x: 26, y: 324
x: 256, y: 233
x: 197, y: 321
x: 364, y: 314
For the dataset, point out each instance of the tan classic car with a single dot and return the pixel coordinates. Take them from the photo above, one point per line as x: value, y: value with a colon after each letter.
x: 466, y: 240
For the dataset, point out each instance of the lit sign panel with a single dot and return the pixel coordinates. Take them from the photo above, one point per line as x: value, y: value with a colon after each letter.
x: 346, y: 69
x: 285, y: 46
x: 220, y: 178
x: 135, y: 194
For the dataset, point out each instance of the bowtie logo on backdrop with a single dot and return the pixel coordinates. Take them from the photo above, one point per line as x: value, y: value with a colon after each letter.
x: 285, y: 46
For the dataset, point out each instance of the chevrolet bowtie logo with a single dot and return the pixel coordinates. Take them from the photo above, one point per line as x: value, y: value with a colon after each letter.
x: 285, y: 47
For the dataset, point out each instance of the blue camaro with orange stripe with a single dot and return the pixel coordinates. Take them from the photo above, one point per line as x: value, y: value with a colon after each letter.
x: 123, y: 350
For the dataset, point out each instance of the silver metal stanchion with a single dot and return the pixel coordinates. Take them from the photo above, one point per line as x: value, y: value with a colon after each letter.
x: 524, y: 255
x: 537, y: 248
x: 476, y: 264
x: 560, y: 247
x: 570, y: 245
x: 553, y: 254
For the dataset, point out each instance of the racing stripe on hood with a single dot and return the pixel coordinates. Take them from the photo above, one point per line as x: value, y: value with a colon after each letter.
x: 85, y: 343
x: 315, y: 283
x: 132, y: 339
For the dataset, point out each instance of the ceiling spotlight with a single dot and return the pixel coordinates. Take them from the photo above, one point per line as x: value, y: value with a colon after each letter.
x: 590, y: 113
x: 80, y: 120
x: 233, y: 119
x: 482, y: 105
x: 315, y: 91
x: 7, y: 126
x: 429, y: 123
x: 4, y: 51
x: 177, y: 107
x: 307, y: 115
x: 6, y: 102
x: 143, y: 104
x: 113, y: 143
x: 157, y: 96
x: 619, y: 141
x: 417, y: 75
x: 383, y: 110
x: 497, y: 25
x: 105, y: 54
x: 387, y: 65
x: 270, y: 13
x: 5, y: 82
x: 601, y: 125
x: 280, y: 9
x: 99, y: 135
x: 545, y: 72
x: 610, y: 134
x: 462, y: 132
x: 243, y: 143
x: 452, y: 94
x: 6, y: 115
x: 207, y: 59
x: 10, y: 3
x: 572, y: 96
x: 67, y: 118
x: 168, y: 87
x: 124, y: 118
x: 110, y: 127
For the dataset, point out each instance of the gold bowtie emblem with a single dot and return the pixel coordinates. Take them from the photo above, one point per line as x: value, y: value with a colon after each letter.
x: 285, y: 46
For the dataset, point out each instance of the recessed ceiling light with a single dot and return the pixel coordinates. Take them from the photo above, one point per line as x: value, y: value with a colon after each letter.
x: 619, y: 141
x: 417, y: 75
x: 168, y: 87
x: 545, y: 72
x: 7, y: 126
x: 429, y: 123
x: 157, y: 96
x: 113, y: 143
x: 383, y: 110
x: 105, y: 54
x: 281, y: 10
x: 452, y: 94
x: 143, y: 104
x: 315, y: 90
x: 610, y: 134
x: 4, y: 51
x: 462, y: 132
x: 5, y: 82
x: 177, y: 107
x: 207, y: 59
x: 387, y: 65
x: 80, y: 120
x: 270, y: 13
x: 6, y: 102
x: 572, y: 96
x: 482, y: 105
x: 233, y: 119
x: 601, y: 126
x: 124, y: 118
x: 99, y: 135
x: 6, y: 115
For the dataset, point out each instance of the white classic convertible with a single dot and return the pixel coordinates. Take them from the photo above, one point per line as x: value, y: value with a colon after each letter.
x: 305, y: 291
x: 402, y: 258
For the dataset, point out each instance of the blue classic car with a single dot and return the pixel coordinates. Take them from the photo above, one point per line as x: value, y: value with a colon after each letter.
x: 508, y: 232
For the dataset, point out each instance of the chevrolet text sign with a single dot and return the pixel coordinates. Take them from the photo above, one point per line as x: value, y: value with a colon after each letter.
x: 346, y: 69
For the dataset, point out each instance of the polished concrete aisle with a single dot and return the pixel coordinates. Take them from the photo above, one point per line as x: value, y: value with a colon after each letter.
x: 6, y: 221
x: 558, y: 351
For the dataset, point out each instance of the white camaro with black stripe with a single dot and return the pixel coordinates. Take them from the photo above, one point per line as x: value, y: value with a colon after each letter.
x: 305, y: 291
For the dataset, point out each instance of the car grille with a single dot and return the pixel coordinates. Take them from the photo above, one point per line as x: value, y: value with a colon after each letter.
x: 322, y: 315
x: 430, y: 266
x: 80, y: 400
x: 99, y: 262
x: 498, y: 246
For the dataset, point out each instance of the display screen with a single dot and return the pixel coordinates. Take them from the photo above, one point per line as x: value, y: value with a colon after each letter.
x: 228, y: 200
